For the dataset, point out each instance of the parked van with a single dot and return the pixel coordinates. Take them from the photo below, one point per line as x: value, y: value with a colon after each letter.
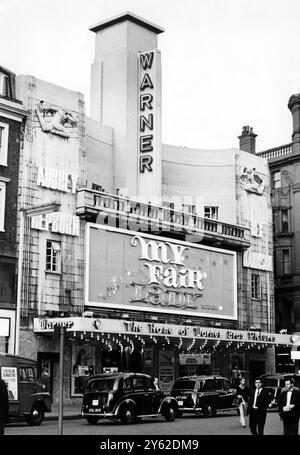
x: 26, y: 393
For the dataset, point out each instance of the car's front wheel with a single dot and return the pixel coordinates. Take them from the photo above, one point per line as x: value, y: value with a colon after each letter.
x: 127, y: 414
x: 36, y: 415
x: 210, y: 410
x: 92, y: 420
x: 170, y: 413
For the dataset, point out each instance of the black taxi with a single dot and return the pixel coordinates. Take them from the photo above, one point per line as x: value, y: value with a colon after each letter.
x: 127, y: 397
x: 203, y: 395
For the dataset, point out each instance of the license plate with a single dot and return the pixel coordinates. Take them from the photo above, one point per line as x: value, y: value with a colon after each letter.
x: 180, y: 403
x: 95, y: 402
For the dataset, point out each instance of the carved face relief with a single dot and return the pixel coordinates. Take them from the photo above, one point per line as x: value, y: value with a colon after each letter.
x: 53, y: 119
x: 250, y: 181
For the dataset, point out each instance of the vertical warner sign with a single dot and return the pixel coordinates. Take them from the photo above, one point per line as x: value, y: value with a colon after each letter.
x: 149, y: 124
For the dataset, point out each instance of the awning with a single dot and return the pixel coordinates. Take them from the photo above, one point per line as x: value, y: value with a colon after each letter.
x: 121, y: 334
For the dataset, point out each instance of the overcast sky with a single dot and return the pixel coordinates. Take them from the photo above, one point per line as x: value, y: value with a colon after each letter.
x: 225, y: 63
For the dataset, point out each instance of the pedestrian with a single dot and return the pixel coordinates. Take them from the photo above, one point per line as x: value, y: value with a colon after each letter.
x: 45, y: 380
x: 289, y: 407
x: 243, y: 393
x: 155, y: 382
x: 3, y: 406
x: 83, y: 381
x: 257, y: 407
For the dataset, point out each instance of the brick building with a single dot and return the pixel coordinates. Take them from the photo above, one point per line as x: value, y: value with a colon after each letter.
x: 284, y: 164
x: 12, y: 117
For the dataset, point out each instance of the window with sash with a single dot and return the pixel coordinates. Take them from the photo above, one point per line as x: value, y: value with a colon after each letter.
x: 255, y: 286
x: 211, y: 212
x: 3, y: 143
x: 53, y: 256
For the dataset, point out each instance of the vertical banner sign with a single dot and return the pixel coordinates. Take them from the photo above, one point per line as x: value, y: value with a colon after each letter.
x: 9, y: 375
x: 148, y: 357
x: 149, y: 123
x: 166, y: 370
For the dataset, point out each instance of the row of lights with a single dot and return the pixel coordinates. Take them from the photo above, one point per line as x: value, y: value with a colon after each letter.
x: 127, y: 342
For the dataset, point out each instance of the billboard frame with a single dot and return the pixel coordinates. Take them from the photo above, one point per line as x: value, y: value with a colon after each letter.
x: 105, y: 305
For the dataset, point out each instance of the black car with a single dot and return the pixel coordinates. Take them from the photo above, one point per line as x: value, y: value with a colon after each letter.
x: 203, y: 395
x: 126, y: 397
x: 275, y: 383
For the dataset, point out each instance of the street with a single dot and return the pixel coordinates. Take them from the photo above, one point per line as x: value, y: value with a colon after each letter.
x: 223, y: 424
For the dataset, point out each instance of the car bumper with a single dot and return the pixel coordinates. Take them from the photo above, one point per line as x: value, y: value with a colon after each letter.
x: 185, y: 409
x: 101, y: 415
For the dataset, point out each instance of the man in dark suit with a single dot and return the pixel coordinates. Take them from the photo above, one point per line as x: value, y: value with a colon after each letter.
x: 289, y: 408
x: 3, y: 406
x: 45, y: 380
x: 257, y: 407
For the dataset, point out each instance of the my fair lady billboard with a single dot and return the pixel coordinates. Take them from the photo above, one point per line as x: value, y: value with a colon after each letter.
x: 130, y: 271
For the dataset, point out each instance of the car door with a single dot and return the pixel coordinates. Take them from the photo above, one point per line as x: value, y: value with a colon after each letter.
x: 225, y: 393
x: 220, y: 390
x: 27, y: 387
x: 153, y: 397
x: 138, y: 394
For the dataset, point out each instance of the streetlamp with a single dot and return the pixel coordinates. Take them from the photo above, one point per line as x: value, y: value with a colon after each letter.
x: 25, y: 213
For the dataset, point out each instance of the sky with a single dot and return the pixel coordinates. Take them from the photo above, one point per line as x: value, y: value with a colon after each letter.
x: 225, y: 63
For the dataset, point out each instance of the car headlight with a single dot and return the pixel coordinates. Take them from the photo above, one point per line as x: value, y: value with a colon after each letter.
x: 194, y: 397
x: 109, y: 400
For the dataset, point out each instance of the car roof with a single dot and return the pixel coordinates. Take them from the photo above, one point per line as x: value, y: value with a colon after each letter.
x: 117, y: 375
x: 201, y: 377
x: 280, y: 375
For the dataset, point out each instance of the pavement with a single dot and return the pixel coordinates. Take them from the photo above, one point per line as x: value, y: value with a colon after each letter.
x: 70, y: 411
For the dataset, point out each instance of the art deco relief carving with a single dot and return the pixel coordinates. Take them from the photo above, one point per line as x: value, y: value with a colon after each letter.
x: 53, y: 119
x: 250, y: 181
x: 288, y: 177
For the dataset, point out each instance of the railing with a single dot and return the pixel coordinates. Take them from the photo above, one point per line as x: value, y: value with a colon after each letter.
x: 276, y: 152
x: 95, y: 202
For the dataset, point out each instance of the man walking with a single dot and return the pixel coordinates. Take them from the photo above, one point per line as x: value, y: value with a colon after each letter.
x: 45, y: 380
x: 289, y: 408
x: 258, y: 404
x: 3, y: 406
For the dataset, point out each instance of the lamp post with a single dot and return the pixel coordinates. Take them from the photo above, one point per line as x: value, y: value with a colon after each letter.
x: 27, y: 213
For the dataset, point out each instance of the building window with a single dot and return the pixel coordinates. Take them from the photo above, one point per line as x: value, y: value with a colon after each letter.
x: 5, y: 85
x: 2, y: 205
x: 53, y: 256
x: 188, y: 208
x: 286, y: 262
x: 3, y: 143
x: 96, y: 187
x: 284, y: 221
x: 255, y: 294
x: 211, y: 212
x: 276, y: 179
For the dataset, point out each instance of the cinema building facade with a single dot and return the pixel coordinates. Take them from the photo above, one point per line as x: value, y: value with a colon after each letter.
x: 154, y: 258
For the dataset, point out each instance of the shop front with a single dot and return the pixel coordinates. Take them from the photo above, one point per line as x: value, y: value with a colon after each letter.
x: 166, y: 351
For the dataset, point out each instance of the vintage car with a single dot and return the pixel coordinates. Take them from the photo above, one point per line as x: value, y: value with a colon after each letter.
x: 275, y: 383
x: 26, y: 394
x: 203, y: 395
x: 126, y: 397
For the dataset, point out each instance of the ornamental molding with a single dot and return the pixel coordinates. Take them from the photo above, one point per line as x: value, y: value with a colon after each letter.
x: 250, y: 181
x: 288, y: 177
x: 54, y: 119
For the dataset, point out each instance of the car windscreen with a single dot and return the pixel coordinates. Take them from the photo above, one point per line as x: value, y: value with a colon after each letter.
x: 184, y: 385
x: 100, y: 385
